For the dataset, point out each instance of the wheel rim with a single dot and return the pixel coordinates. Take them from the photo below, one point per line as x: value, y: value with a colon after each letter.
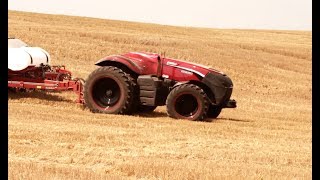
x: 186, y: 105
x: 106, y: 92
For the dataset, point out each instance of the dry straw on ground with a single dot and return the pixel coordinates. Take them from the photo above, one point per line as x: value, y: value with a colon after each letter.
x: 267, y: 136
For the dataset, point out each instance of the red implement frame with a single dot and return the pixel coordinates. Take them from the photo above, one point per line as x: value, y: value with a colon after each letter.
x: 54, y: 78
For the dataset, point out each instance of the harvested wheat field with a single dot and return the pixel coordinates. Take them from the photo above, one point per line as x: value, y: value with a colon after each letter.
x: 268, y: 136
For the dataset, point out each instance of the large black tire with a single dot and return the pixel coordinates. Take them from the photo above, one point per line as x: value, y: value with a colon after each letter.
x: 214, y: 111
x: 187, y: 101
x: 109, y: 90
x: 146, y: 109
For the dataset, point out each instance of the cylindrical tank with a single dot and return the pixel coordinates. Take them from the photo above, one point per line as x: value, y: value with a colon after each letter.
x: 23, y: 57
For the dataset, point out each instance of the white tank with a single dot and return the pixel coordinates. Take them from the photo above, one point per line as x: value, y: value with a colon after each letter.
x: 23, y: 57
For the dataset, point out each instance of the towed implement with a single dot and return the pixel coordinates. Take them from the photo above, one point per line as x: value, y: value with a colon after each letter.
x: 29, y: 69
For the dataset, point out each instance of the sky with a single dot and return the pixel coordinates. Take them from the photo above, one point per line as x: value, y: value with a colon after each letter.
x: 226, y: 14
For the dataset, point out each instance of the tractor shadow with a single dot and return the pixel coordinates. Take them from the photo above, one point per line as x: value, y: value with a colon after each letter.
x: 37, y: 95
x: 156, y: 114
x: 152, y: 114
x: 231, y: 119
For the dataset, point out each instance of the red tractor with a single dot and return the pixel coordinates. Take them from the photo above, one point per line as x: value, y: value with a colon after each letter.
x: 139, y: 82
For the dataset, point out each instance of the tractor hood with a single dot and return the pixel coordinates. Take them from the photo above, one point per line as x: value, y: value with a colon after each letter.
x: 193, y: 67
x: 147, y: 63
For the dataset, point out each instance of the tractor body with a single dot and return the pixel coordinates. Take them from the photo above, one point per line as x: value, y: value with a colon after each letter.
x: 153, y: 78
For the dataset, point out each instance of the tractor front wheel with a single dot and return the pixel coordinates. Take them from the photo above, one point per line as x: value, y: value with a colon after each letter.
x: 214, y: 112
x: 187, y: 101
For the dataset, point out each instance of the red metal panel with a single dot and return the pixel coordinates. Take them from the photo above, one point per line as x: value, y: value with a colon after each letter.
x: 55, y: 78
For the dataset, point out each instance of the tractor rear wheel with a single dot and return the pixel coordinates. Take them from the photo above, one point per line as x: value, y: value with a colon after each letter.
x: 187, y: 101
x: 109, y: 90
